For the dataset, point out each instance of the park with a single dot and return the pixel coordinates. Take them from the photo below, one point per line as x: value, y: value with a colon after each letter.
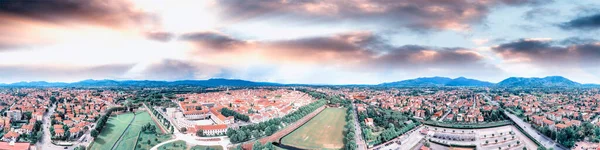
x: 119, y: 135
x: 324, y: 131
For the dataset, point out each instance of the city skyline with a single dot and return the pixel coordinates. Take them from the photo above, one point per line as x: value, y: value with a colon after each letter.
x: 323, y: 42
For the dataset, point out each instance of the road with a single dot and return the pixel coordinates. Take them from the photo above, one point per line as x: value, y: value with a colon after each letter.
x: 46, y: 141
x: 444, y: 116
x: 358, y: 131
x: 546, y: 141
x: 543, y: 139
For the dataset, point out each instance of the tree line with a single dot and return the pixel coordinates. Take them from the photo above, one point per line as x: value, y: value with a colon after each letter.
x: 349, y: 129
x: 267, y: 128
x: 228, y: 112
x: 102, y: 120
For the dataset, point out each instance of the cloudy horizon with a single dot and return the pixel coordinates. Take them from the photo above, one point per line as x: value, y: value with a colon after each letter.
x: 288, y: 41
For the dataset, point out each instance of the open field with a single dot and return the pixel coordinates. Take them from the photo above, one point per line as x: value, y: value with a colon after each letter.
x: 175, y: 145
x: 131, y: 135
x: 324, y: 131
x: 200, y: 147
x: 115, y: 126
x: 154, y: 140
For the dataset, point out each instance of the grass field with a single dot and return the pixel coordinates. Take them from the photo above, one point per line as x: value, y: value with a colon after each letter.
x: 324, y: 131
x: 115, y: 126
x: 175, y: 145
x: 154, y: 139
x: 200, y: 147
x: 131, y: 135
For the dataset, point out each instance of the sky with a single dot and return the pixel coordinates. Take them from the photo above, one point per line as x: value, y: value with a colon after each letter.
x: 298, y: 41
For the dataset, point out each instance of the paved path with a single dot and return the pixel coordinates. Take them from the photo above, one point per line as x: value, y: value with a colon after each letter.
x: 358, y: 131
x: 46, y: 141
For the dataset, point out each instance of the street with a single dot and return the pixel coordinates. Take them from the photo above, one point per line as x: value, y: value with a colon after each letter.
x: 46, y: 143
x: 358, y: 131
x: 547, y: 142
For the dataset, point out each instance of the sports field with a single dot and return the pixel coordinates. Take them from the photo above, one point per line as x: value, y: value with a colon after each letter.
x: 115, y: 126
x: 324, y: 131
x: 131, y: 135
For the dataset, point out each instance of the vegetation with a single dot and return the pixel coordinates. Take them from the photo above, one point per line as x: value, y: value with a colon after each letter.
x: 201, y: 147
x: 227, y: 112
x: 331, y: 126
x: 115, y: 127
x: 103, y: 119
x: 176, y: 145
x: 387, y: 123
x: 267, y: 128
x: 349, y: 129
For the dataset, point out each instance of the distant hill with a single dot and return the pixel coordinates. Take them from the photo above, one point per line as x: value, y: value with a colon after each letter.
x: 462, y: 81
x: 437, y: 81
x: 87, y: 83
x: 550, y: 81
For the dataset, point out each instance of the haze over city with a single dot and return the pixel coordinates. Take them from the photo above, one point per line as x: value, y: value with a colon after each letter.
x: 309, y: 42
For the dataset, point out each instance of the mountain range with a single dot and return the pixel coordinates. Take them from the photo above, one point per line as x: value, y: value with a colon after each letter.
x: 550, y: 81
x: 437, y: 81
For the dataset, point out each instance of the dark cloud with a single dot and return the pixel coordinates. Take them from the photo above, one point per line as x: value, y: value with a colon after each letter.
x: 347, y: 43
x: 591, y: 22
x: 160, y: 36
x: 170, y: 69
x: 10, y: 73
x: 424, y: 57
x: 212, y: 40
x: 103, y: 12
x: 369, y: 51
x: 417, y: 14
x: 6, y: 46
x: 568, y: 52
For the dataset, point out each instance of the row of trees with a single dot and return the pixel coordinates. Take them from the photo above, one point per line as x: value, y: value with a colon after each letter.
x: 349, y: 128
x: 228, y: 112
x: 102, y: 121
x: 267, y: 128
x: 162, y: 119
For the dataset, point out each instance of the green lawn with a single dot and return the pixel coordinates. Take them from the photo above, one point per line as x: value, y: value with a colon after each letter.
x: 115, y: 126
x: 176, y: 145
x: 324, y: 131
x: 155, y: 138
x: 200, y: 147
x: 131, y: 135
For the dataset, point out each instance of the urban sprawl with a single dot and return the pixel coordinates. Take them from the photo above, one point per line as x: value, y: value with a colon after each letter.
x: 299, y: 117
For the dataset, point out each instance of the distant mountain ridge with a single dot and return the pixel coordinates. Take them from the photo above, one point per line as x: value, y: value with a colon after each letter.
x: 438, y: 81
x: 549, y: 81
